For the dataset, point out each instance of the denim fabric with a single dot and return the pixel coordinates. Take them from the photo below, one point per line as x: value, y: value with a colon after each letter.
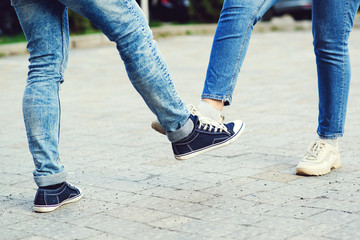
x: 230, y: 44
x: 332, y: 24
x: 45, y: 25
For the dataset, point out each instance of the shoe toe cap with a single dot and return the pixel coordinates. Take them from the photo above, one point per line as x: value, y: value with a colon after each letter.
x: 238, y: 125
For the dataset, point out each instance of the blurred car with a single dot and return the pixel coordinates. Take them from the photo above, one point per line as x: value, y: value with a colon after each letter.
x: 298, y: 9
x: 169, y: 10
x: 9, y: 24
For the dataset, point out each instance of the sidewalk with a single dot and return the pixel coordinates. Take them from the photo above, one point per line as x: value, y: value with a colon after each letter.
x: 135, y: 189
x: 95, y: 40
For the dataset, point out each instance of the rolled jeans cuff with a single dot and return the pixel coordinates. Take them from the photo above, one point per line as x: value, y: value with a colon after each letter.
x: 182, y: 132
x: 52, y: 179
x: 330, y: 136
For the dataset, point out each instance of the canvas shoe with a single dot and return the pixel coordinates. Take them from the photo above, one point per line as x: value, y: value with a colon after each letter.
x: 48, y: 200
x: 192, y: 109
x: 319, y: 160
x: 206, y: 135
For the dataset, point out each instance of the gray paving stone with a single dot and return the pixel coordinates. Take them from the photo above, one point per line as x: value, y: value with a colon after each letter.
x: 179, y: 194
x: 222, y: 215
x: 291, y: 211
x: 207, y: 229
x: 229, y: 203
x: 36, y: 237
x: 276, y: 176
x: 196, y: 185
x: 132, y: 213
x: 11, y: 234
x: 269, y: 198
x: 247, y: 232
x: 106, y: 236
x: 160, y: 233
x: 252, y: 187
x: 322, y: 229
x: 348, y: 231
x: 8, y: 218
x: 283, y: 227
x: 113, y: 225
x: 171, y: 221
x: 326, y: 203
x: 308, y: 237
x: 335, y: 217
x: 168, y: 205
x: 53, y: 230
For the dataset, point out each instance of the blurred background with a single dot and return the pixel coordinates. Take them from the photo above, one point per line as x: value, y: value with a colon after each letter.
x: 160, y: 12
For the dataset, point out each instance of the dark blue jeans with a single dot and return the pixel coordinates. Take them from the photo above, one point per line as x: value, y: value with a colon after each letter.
x: 230, y: 44
x: 332, y: 24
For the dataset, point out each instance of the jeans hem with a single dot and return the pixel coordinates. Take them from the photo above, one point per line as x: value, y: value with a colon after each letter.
x: 52, y: 179
x: 182, y: 132
x: 330, y: 136
x: 225, y: 100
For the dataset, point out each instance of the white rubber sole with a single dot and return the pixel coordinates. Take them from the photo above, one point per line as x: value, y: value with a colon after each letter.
x: 308, y: 171
x: 207, y: 149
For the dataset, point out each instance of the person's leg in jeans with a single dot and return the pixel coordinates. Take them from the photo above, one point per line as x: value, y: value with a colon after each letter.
x: 46, y: 28
x: 230, y: 44
x: 233, y: 32
x: 332, y: 24
x: 150, y: 76
x: 45, y: 25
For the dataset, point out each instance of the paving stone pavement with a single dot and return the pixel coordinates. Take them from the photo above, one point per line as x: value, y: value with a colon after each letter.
x: 135, y: 189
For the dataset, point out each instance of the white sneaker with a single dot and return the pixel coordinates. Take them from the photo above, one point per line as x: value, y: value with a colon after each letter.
x: 319, y: 160
x: 192, y: 109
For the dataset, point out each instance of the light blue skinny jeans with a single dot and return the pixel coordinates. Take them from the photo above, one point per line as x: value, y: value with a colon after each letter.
x: 332, y: 23
x: 45, y: 24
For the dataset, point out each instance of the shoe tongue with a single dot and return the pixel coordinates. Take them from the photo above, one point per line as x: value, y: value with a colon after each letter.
x: 314, y: 150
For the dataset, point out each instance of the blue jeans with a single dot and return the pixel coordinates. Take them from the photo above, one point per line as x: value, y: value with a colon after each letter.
x: 230, y: 44
x: 332, y: 24
x: 45, y: 25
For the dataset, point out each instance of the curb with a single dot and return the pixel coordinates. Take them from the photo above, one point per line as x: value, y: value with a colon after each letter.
x: 95, y: 40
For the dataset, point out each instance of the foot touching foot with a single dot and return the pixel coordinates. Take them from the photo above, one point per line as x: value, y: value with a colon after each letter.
x: 157, y: 127
x: 207, y: 135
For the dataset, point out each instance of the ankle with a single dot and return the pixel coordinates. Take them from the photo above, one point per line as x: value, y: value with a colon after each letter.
x: 332, y: 141
x: 209, y: 110
x: 216, y: 104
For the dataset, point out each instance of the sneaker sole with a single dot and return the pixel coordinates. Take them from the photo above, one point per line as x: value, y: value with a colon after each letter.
x: 157, y: 127
x: 50, y: 208
x: 219, y: 145
x: 318, y: 172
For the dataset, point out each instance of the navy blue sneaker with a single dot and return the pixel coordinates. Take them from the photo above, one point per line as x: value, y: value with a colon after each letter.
x: 207, y: 135
x: 47, y: 200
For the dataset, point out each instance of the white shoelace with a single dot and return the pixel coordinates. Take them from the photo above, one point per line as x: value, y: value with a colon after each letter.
x: 314, y: 150
x: 208, y: 125
x: 192, y: 109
